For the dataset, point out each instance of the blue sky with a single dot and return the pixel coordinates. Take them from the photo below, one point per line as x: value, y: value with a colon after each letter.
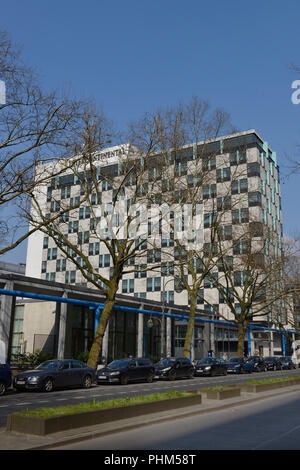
x: 135, y: 56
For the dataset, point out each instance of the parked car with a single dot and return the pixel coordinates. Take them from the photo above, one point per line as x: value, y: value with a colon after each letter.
x: 174, y: 368
x: 258, y: 363
x: 55, y: 374
x: 273, y: 363
x: 126, y: 370
x: 211, y: 366
x: 5, y: 378
x: 287, y: 362
x: 239, y: 365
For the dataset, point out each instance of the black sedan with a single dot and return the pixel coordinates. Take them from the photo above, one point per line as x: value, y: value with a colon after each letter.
x: 55, y: 374
x: 287, y: 362
x: 273, y: 363
x: 211, y: 366
x: 174, y: 368
x: 123, y: 371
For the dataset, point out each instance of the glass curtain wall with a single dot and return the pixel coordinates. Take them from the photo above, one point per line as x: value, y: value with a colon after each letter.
x: 122, y: 335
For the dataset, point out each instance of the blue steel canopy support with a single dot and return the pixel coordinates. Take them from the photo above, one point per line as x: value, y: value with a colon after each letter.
x: 98, y: 306
x: 97, y: 317
x: 249, y: 340
x: 51, y: 298
x: 283, y: 344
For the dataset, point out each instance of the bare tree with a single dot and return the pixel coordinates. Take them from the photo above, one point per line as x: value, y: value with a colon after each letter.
x: 144, y: 171
x: 188, y: 187
x: 251, y: 281
x: 291, y: 279
x: 35, y: 127
x: 105, y: 214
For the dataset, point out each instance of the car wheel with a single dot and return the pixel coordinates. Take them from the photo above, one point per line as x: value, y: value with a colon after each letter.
x: 2, y: 388
x: 87, y: 382
x: 172, y: 376
x: 124, y: 380
x: 149, y: 379
x: 225, y: 372
x: 48, y: 385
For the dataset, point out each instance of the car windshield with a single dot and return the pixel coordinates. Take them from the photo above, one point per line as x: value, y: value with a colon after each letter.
x: 117, y: 364
x: 206, y: 360
x: 235, y: 359
x: 166, y: 362
x: 48, y: 365
x: 270, y: 358
x: 283, y: 358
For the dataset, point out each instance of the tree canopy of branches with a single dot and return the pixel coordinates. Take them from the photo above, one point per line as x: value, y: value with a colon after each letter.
x: 184, y: 185
x: 35, y: 126
x: 136, y: 179
x: 98, y: 207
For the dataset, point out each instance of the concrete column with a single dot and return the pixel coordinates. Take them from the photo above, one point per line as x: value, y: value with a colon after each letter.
x: 271, y: 344
x: 105, y: 342
x: 169, y: 337
x: 62, y: 329
x: 140, y: 335
x: 7, y: 317
x: 212, y: 338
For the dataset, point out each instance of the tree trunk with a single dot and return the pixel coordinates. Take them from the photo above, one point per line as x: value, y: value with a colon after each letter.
x: 104, y: 317
x: 242, y: 328
x: 190, y: 328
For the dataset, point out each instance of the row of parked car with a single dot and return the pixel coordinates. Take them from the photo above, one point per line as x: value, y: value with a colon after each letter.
x: 259, y: 364
x: 65, y: 373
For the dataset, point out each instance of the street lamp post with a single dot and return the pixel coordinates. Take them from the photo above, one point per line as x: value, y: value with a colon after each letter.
x: 161, y: 320
x: 162, y: 331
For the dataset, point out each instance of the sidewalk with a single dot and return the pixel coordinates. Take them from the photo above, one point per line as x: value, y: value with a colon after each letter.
x: 14, y: 441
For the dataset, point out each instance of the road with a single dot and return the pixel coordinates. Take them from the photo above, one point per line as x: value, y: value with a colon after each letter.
x: 16, y: 401
x: 270, y: 424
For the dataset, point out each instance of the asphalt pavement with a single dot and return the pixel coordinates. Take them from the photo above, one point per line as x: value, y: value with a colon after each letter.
x: 17, y: 401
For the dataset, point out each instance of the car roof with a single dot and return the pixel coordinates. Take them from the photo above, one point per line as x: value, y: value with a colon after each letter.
x: 60, y: 360
x: 132, y: 359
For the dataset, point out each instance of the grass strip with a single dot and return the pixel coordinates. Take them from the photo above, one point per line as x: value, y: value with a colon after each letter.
x: 219, y: 388
x: 101, y: 405
x: 273, y: 380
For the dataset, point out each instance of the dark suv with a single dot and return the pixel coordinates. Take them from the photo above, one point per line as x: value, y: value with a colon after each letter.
x: 5, y: 378
x: 287, y: 362
x: 273, y: 363
x: 258, y: 362
x: 126, y: 370
x: 174, y: 368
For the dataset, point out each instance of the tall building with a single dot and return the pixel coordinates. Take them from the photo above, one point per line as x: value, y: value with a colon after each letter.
x: 243, y: 178
x: 257, y: 179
